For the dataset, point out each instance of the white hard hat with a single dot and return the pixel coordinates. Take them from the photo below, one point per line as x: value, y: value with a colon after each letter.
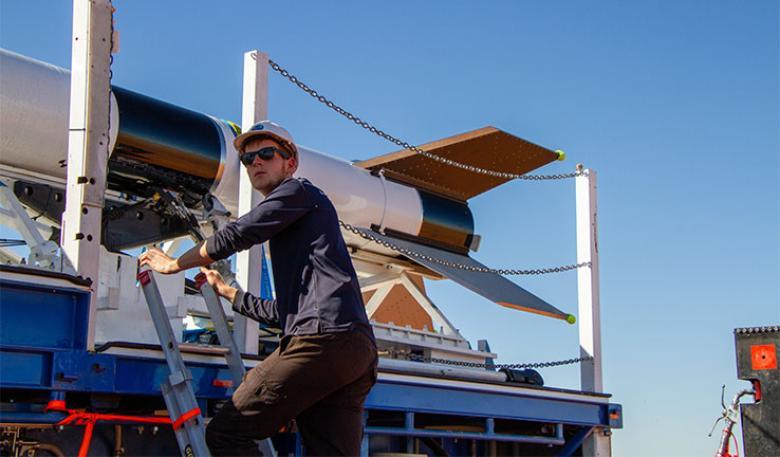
x: 268, y: 129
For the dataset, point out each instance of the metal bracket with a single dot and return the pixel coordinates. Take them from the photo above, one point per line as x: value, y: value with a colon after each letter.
x: 43, y: 253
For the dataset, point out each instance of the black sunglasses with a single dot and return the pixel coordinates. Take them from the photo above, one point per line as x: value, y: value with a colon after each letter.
x: 248, y: 157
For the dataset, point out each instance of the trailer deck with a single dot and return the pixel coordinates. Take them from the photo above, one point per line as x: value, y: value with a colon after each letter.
x: 404, y: 410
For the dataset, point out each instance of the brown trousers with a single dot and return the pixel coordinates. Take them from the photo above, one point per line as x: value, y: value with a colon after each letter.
x: 319, y: 380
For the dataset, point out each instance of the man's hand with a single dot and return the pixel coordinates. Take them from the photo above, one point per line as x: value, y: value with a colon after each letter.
x: 216, y: 281
x: 158, y: 261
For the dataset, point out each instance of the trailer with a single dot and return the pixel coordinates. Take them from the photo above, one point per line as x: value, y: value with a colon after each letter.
x: 415, y: 407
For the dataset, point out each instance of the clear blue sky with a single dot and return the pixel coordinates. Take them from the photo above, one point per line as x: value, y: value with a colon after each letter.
x: 675, y: 104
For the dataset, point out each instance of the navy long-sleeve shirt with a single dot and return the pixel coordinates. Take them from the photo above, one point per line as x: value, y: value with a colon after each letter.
x: 317, y: 290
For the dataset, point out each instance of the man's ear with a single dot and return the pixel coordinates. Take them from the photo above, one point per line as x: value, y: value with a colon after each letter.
x: 292, y: 164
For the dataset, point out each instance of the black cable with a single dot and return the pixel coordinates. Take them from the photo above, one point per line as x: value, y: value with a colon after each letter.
x: 45, y: 207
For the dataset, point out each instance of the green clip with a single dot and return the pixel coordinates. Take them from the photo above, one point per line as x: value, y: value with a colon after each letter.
x: 561, y: 155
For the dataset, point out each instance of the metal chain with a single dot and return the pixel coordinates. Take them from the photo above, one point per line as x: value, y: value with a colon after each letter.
x: 557, y: 363
x: 460, y: 266
x: 357, y: 120
x: 110, y: 78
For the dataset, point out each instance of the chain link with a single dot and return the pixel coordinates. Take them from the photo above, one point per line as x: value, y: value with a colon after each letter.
x: 459, y: 363
x: 460, y: 266
x: 357, y: 120
x: 110, y: 78
x: 409, y: 253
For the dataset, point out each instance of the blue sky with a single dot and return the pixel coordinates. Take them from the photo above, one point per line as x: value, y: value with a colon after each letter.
x: 675, y: 104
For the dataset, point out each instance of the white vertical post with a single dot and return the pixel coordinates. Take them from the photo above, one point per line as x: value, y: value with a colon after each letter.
x: 88, y: 142
x: 249, y: 263
x: 597, y: 444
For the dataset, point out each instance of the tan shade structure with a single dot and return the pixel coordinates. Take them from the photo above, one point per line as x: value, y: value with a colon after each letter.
x: 488, y: 148
x: 492, y: 286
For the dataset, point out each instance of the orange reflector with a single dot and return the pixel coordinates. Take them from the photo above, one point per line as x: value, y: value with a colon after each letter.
x: 200, y: 279
x: 763, y: 357
x: 144, y: 277
x: 222, y: 383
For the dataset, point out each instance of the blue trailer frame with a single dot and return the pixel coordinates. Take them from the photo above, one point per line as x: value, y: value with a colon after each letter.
x: 43, y: 354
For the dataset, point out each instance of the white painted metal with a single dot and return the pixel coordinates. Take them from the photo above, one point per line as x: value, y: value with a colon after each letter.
x: 122, y: 312
x: 7, y: 256
x: 440, y: 321
x: 466, y: 385
x: 377, y: 298
x: 360, y: 198
x: 43, y: 253
x: 225, y: 188
x: 588, y: 282
x: 34, y: 117
x: 441, y: 346
x: 88, y: 142
x: 249, y: 263
x: 36, y: 95
x: 431, y: 337
x: 428, y: 369
x: 444, y: 341
x: 383, y: 283
x: 588, y: 298
x: 33, y: 278
x: 378, y: 280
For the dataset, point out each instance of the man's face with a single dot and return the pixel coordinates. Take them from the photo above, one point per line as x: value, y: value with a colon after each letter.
x: 265, y: 175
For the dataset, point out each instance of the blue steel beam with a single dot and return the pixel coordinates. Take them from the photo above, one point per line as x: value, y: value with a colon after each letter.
x: 449, y: 400
x: 53, y: 358
x: 26, y: 417
x: 397, y: 431
x: 107, y: 373
x: 575, y: 442
x: 32, y: 315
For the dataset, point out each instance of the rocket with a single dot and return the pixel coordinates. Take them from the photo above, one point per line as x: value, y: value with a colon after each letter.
x: 410, y: 202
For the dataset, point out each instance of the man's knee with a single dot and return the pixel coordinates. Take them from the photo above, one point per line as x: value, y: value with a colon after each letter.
x: 228, y: 435
x: 215, y: 438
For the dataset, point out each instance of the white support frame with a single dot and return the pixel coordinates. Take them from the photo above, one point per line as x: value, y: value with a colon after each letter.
x: 43, y: 253
x: 383, y: 283
x: 439, y: 319
x: 249, y: 263
x: 88, y: 143
x: 588, y: 298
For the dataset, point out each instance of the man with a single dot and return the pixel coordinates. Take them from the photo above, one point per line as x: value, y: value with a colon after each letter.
x: 326, y: 361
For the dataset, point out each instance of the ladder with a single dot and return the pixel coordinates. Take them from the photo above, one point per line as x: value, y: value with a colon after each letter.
x: 186, y: 417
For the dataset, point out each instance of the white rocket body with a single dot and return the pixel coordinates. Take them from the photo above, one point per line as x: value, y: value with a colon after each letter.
x: 34, y: 97
x: 156, y: 145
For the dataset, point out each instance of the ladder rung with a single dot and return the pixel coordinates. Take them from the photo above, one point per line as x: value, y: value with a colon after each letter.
x: 209, y: 349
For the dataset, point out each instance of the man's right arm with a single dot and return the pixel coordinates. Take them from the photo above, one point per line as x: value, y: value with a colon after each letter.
x: 257, y: 308
x: 282, y: 207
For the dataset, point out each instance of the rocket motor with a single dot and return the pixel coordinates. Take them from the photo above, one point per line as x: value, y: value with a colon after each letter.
x: 155, y: 145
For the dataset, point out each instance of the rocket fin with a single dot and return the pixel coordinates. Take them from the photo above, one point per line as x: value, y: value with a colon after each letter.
x: 488, y: 148
x: 492, y: 286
